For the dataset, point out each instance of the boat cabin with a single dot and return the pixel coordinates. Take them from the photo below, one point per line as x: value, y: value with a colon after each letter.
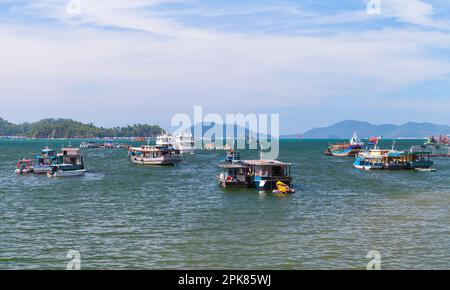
x: 234, y: 175
x: 266, y: 173
x: 154, y: 155
x: 70, y: 156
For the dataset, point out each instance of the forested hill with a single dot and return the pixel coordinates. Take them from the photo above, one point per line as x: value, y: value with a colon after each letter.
x: 67, y: 128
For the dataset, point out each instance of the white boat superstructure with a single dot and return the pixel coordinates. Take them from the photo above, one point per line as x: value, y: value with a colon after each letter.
x: 355, y: 140
x: 185, y: 143
x: 154, y: 155
x: 166, y: 140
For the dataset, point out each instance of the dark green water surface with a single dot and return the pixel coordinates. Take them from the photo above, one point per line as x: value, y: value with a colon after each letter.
x: 125, y: 216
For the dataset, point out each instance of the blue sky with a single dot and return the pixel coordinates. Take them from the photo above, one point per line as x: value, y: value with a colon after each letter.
x: 313, y: 62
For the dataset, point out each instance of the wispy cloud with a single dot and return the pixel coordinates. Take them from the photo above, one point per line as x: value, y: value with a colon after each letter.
x: 133, y: 61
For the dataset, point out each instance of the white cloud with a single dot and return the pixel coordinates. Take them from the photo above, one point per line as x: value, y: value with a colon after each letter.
x: 159, y: 66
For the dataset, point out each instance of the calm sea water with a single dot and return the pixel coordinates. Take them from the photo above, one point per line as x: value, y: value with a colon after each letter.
x: 125, y: 216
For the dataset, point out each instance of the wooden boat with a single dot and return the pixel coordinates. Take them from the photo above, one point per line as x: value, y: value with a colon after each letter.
x: 154, y: 155
x: 435, y: 146
x: 353, y: 147
x: 69, y: 162
x: 382, y: 159
x: 260, y: 174
x: 234, y: 175
x: 266, y: 173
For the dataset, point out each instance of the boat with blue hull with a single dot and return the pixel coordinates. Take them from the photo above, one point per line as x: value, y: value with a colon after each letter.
x: 234, y: 175
x: 382, y: 159
x: 260, y: 174
x: 266, y: 173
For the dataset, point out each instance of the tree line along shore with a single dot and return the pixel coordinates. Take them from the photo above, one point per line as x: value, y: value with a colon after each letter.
x: 67, y: 128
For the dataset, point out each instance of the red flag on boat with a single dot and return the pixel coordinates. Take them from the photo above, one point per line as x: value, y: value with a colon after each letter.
x: 374, y: 140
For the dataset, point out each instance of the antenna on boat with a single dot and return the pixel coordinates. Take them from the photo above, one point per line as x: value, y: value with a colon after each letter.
x: 393, y: 146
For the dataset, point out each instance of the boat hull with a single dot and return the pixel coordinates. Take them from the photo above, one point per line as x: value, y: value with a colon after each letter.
x: 270, y: 183
x: 169, y: 161
x: 68, y: 173
x: 187, y: 150
x: 345, y: 153
x: 24, y: 171
x: 42, y: 169
x: 366, y: 166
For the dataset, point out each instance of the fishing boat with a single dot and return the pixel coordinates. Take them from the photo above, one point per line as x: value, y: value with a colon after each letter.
x: 266, y: 173
x: 24, y: 166
x: 353, y: 147
x: 260, y: 174
x: 184, y: 142
x: 234, y: 175
x: 69, y: 162
x: 45, y: 161
x: 154, y: 155
x: 109, y: 144
x: 435, y: 146
x: 382, y: 159
x: 232, y: 156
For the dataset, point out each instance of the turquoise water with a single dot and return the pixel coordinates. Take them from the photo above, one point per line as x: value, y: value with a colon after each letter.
x: 125, y: 216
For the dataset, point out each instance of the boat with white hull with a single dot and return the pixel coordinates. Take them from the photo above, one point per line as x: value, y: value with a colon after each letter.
x: 69, y: 163
x: 185, y: 143
x: 154, y: 155
x: 68, y: 173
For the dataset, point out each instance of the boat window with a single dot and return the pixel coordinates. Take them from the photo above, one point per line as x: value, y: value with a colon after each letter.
x: 278, y: 171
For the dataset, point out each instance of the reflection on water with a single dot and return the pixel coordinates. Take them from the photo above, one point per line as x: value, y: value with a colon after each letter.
x: 125, y: 216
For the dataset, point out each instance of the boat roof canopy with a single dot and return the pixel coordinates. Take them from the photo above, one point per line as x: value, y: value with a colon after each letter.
x: 266, y: 163
x: 151, y: 149
x: 233, y: 165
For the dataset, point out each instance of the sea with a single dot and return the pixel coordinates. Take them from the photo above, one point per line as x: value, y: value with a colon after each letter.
x: 126, y: 216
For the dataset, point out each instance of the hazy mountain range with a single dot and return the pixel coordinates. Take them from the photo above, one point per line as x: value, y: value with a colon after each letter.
x: 345, y: 129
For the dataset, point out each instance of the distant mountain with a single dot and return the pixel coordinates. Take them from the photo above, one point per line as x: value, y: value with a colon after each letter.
x: 66, y: 128
x: 345, y: 129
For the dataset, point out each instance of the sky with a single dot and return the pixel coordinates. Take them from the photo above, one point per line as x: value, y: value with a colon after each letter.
x: 315, y: 63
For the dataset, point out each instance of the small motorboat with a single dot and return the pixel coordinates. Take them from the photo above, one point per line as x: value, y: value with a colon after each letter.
x: 426, y: 169
x: 24, y: 166
x: 283, y: 189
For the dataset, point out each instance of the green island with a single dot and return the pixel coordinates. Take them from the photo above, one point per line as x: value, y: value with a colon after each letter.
x: 67, y: 128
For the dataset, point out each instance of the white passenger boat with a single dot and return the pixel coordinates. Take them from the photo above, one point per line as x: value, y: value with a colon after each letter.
x: 185, y: 143
x: 165, y: 140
